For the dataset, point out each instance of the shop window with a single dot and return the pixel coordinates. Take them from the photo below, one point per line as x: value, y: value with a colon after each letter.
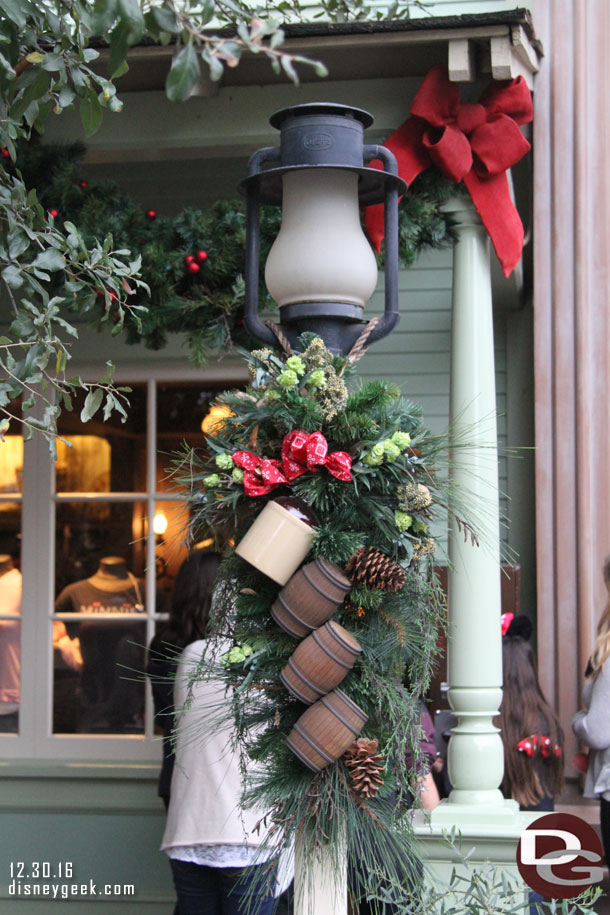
x: 118, y: 544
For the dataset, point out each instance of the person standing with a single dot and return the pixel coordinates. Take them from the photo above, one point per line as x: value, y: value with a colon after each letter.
x: 188, y: 619
x: 220, y: 861
x: 592, y: 724
x: 530, y: 732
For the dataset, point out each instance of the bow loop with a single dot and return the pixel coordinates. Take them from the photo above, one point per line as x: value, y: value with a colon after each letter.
x: 450, y: 152
x: 437, y: 99
x: 497, y: 145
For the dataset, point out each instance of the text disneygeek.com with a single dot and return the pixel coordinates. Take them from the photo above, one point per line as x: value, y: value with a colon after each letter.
x: 38, y: 879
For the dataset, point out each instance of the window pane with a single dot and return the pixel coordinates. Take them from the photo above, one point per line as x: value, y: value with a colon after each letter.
x: 103, y: 456
x: 11, y: 475
x: 170, y: 522
x: 10, y: 613
x: 180, y: 411
x: 98, y: 661
x: 98, y: 669
x: 88, y: 531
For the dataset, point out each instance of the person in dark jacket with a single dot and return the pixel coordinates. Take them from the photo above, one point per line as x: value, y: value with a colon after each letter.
x: 188, y: 618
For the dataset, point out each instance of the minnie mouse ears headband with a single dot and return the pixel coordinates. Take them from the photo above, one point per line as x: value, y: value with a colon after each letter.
x: 516, y: 626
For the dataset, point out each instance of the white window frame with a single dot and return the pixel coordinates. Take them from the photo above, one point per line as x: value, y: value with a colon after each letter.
x: 35, y: 740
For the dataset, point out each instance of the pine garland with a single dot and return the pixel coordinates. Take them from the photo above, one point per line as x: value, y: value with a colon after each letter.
x: 389, y: 448
x: 205, y: 304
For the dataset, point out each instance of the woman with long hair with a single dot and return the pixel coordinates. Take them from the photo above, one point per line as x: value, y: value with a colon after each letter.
x: 188, y: 619
x: 530, y: 731
x: 592, y: 725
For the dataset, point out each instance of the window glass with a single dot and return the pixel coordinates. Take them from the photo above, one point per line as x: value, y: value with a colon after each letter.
x: 98, y: 660
x: 11, y: 471
x: 87, y: 531
x: 181, y: 410
x: 103, y: 456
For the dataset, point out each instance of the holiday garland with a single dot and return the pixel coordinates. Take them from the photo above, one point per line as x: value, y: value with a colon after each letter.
x: 359, y: 458
x: 193, y: 262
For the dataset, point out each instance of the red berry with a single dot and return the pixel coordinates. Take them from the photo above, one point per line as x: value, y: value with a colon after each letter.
x: 84, y: 184
x: 202, y: 256
x: 151, y: 214
x: 54, y: 213
x: 99, y: 293
x: 6, y: 153
x: 189, y: 259
x: 193, y: 267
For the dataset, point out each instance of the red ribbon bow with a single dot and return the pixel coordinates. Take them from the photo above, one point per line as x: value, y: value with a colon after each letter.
x: 260, y: 475
x: 473, y: 143
x: 529, y: 745
x: 505, y: 621
x: 300, y: 452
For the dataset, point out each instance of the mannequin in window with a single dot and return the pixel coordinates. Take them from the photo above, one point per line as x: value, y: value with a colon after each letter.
x: 110, y: 702
x: 10, y: 633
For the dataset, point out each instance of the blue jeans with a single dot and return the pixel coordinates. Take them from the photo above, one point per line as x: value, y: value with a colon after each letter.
x: 203, y: 890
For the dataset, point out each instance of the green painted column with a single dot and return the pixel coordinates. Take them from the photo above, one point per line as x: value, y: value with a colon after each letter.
x: 489, y: 825
x: 476, y: 759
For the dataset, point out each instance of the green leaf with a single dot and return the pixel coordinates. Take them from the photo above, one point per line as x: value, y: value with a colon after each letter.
x: 35, y: 90
x: 16, y: 11
x: 166, y: 20
x: 12, y: 277
x: 93, y: 401
x: 119, y: 44
x: 132, y: 14
x: 53, y: 62
x: 50, y: 259
x: 183, y: 76
x: 91, y: 113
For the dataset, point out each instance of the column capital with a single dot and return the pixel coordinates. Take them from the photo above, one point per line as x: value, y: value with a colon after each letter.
x: 464, y: 212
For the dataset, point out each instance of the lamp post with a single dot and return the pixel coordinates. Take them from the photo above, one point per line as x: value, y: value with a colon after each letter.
x: 321, y: 269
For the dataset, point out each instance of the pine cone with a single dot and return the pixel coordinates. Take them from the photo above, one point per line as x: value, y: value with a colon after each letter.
x: 366, y: 766
x: 370, y: 568
x: 414, y: 497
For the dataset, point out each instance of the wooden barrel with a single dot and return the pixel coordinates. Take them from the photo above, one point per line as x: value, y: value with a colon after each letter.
x: 310, y: 598
x: 326, y: 729
x: 320, y: 662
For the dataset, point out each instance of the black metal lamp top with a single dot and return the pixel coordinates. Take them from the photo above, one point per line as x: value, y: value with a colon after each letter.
x: 330, y: 136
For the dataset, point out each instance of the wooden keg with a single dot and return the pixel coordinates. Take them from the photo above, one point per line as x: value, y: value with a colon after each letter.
x: 326, y: 729
x: 320, y: 662
x: 310, y: 598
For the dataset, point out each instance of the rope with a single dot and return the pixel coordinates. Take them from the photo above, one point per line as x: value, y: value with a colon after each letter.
x: 355, y: 354
x: 281, y: 336
x: 359, y: 349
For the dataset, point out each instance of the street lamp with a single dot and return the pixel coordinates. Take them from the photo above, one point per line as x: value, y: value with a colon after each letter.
x: 321, y: 269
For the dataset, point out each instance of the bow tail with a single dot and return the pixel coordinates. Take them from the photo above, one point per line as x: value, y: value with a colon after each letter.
x: 491, y: 198
x: 412, y: 159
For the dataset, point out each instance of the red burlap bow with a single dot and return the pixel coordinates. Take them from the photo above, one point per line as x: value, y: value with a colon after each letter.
x: 473, y: 143
x: 300, y: 452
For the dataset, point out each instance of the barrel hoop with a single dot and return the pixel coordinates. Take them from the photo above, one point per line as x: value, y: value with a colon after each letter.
x: 333, y: 711
x: 292, y: 614
x: 352, y: 704
x: 303, y: 678
x: 343, y: 582
x: 327, y: 651
x: 328, y: 597
x: 312, y: 743
x: 303, y: 758
x: 332, y: 626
